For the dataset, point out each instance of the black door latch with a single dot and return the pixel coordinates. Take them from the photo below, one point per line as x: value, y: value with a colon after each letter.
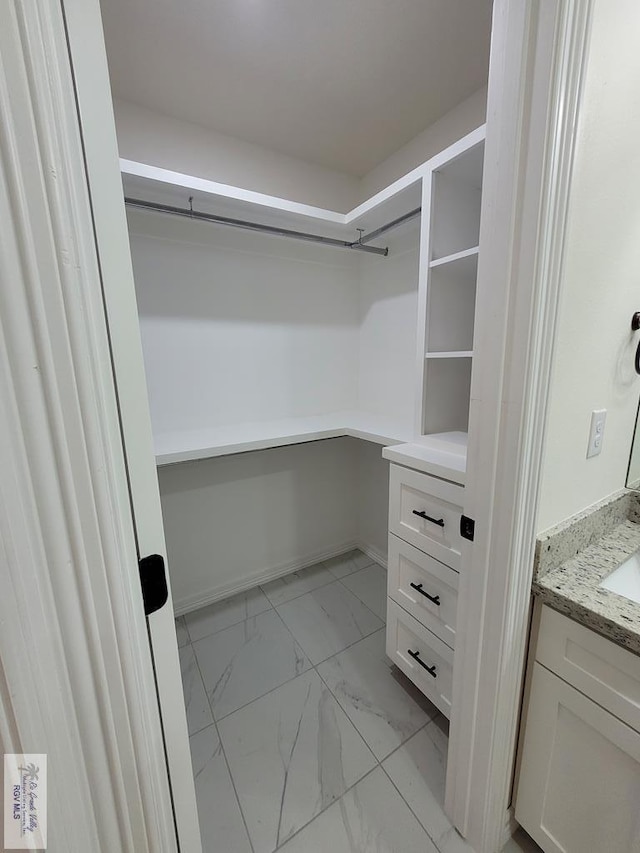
x: 467, y: 527
x: 153, y: 580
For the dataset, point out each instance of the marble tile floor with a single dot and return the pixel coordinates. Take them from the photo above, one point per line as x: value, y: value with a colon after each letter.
x: 304, y: 737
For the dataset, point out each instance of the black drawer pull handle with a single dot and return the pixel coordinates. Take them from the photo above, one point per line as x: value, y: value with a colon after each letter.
x: 430, y: 669
x: 422, y: 514
x: 418, y: 588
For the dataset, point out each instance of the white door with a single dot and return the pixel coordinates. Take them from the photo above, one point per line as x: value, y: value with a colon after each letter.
x: 88, y: 59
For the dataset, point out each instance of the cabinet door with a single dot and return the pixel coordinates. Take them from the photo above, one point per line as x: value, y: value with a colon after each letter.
x: 579, y: 786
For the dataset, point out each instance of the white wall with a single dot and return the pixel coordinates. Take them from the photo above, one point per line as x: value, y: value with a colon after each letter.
x: 388, y: 326
x: 169, y: 143
x: 372, y: 496
x: 236, y: 519
x: 241, y: 327
x: 593, y: 361
x: 459, y: 121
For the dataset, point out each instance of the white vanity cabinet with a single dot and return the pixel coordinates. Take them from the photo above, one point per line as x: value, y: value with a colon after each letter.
x: 579, y: 780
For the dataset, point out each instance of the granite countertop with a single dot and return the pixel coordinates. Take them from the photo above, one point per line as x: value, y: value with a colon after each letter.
x: 573, y: 559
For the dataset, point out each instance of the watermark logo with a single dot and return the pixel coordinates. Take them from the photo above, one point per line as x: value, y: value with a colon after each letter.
x: 25, y: 801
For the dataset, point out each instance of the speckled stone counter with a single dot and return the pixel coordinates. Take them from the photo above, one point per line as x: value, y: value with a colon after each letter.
x: 573, y: 558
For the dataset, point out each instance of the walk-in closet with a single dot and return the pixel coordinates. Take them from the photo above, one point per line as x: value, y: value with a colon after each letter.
x: 303, y: 187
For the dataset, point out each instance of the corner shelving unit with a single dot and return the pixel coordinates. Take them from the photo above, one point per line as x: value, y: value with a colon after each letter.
x: 447, y: 189
x: 452, y: 193
x: 207, y: 443
x: 160, y: 191
x: 448, y: 294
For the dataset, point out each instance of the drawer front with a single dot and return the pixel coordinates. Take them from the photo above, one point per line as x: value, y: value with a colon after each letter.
x: 413, y: 648
x: 425, y: 512
x: 605, y: 672
x: 423, y: 586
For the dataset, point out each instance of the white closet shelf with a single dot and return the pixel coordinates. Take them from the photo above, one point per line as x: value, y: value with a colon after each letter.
x: 185, y: 446
x: 441, y: 454
x: 152, y: 183
x: 457, y: 256
x: 451, y: 354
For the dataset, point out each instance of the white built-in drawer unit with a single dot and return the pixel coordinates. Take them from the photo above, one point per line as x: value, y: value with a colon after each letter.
x: 422, y: 656
x: 424, y: 587
x: 607, y: 673
x: 425, y: 511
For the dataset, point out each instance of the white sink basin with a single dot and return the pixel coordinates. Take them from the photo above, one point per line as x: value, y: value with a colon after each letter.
x: 625, y: 580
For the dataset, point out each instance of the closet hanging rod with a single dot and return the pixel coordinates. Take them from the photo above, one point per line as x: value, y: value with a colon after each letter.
x: 189, y: 213
x: 365, y: 238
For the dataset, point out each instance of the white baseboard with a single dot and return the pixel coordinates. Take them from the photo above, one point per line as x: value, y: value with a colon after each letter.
x: 371, y: 551
x: 217, y: 593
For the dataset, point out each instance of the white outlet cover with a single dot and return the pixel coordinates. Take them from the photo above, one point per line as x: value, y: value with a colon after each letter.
x: 596, y: 432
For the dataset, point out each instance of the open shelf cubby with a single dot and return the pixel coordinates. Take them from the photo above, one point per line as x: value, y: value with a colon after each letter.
x: 448, y: 289
x: 451, y: 305
x: 457, y: 190
x: 449, y: 383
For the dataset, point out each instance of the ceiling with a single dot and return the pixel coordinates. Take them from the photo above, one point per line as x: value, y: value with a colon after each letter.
x: 339, y: 83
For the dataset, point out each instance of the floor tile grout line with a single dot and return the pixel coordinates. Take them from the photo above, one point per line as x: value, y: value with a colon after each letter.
x: 338, y: 580
x: 364, y: 604
x: 400, y: 794
x: 224, y: 755
x: 288, y: 680
x: 396, y: 748
x: 299, y: 595
x: 233, y: 624
x: 271, y: 604
x: 246, y: 704
x: 315, y: 667
x: 355, y: 728
x: 235, y: 790
x: 333, y: 579
x: 195, y: 659
x: 451, y: 826
x: 405, y: 742
x: 206, y: 692
x: 293, y: 677
x: 377, y: 762
x: 333, y: 802
x: 275, y: 608
x: 363, y: 637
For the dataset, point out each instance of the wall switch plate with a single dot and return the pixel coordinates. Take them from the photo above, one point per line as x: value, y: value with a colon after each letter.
x: 596, y: 433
